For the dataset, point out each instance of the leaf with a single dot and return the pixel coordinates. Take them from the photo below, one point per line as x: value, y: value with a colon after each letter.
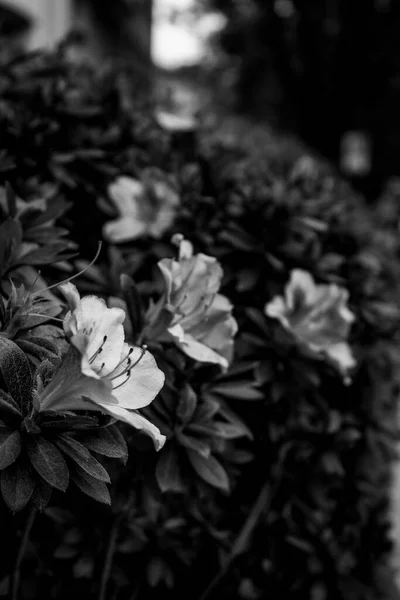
x: 81, y: 456
x: 10, y: 239
x: 48, y: 461
x: 210, y: 470
x: 195, y: 444
x: 36, y: 350
x: 91, y: 487
x: 8, y: 407
x: 133, y: 303
x: 240, y: 390
x: 231, y: 431
x: 168, y: 473
x: 67, y: 422
x: 10, y: 447
x: 41, y: 494
x: 107, y: 441
x: 17, y: 485
x: 14, y: 367
x: 187, y: 403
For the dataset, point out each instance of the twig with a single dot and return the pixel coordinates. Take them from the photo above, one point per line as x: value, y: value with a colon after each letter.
x: 15, y: 579
x: 108, y: 561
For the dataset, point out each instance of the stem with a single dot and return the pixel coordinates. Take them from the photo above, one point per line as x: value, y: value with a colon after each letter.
x: 108, y: 561
x: 15, y: 579
x: 263, y: 502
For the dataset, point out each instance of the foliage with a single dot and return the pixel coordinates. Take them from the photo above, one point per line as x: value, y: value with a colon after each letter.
x: 274, y: 478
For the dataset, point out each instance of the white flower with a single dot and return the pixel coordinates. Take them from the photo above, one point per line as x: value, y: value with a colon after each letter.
x: 317, y: 315
x: 146, y: 207
x: 201, y: 322
x: 100, y: 372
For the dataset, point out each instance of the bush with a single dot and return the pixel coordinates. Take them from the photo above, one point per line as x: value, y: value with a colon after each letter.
x: 274, y: 480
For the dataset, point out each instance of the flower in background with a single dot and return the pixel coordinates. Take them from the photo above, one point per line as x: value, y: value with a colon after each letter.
x: 146, y: 207
x: 100, y: 372
x: 200, y: 320
x: 317, y: 315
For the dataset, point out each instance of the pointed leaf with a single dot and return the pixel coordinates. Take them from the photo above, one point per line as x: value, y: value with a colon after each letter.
x: 133, y: 303
x: 107, y: 441
x: 187, y: 403
x: 8, y: 407
x: 240, y: 390
x: 48, y: 461
x: 195, y: 444
x: 168, y: 473
x: 15, y: 369
x: 91, y: 487
x: 10, y: 447
x: 41, y: 494
x: 10, y: 239
x: 82, y: 457
x: 210, y: 470
x: 17, y: 485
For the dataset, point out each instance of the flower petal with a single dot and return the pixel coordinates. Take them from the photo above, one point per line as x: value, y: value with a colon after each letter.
x: 137, y: 421
x: 124, y: 192
x: 195, y: 349
x: 124, y: 230
x: 144, y: 382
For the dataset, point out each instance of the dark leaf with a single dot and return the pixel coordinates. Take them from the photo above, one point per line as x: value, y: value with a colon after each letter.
x: 67, y: 422
x: 81, y: 456
x: 42, y: 494
x: 14, y: 367
x: 17, y: 485
x: 107, y: 441
x: 48, y: 461
x: 187, y: 403
x: 8, y: 407
x: 133, y: 303
x: 239, y: 390
x: 168, y: 472
x: 10, y: 240
x: 91, y: 487
x: 196, y: 444
x: 210, y: 470
x: 10, y: 447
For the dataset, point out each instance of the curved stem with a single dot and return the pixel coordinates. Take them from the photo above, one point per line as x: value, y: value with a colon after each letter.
x: 15, y: 579
x: 108, y: 561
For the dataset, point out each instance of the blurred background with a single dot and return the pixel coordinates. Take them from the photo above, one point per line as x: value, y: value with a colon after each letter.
x: 327, y: 71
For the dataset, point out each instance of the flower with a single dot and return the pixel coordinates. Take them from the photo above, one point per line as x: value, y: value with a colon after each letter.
x: 146, y: 207
x: 100, y: 372
x: 201, y: 321
x: 317, y: 315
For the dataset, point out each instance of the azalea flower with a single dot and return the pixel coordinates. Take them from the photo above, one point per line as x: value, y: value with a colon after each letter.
x: 317, y: 315
x: 200, y: 319
x: 100, y: 372
x: 145, y: 207
x: 175, y: 122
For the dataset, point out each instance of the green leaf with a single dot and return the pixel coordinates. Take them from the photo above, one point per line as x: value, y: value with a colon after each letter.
x: 36, y: 350
x: 82, y: 457
x: 91, y: 487
x: 168, y: 472
x: 107, y: 441
x: 10, y: 447
x: 14, y: 367
x: 17, y: 485
x: 210, y: 470
x: 48, y: 461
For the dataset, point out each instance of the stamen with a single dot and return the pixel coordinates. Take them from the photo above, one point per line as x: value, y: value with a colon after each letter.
x: 123, y: 383
x: 50, y: 287
x: 98, y: 351
x: 129, y: 365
